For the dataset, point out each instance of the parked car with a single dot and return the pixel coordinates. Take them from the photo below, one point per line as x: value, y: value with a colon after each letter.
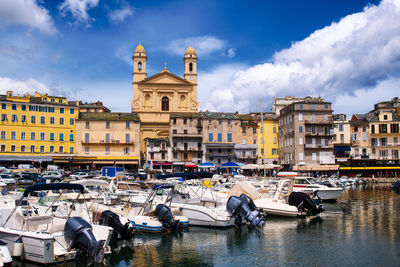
x: 7, y: 179
x: 26, y: 178
x: 79, y: 175
x: 54, y: 168
x: 142, y: 174
x: 52, y: 176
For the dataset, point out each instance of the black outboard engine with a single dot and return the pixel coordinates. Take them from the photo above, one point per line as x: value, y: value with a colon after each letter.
x: 304, y: 203
x: 111, y: 219
x: 251, y: 204
x: 396, y: 187
x: 238, y: 208
x: 78, y: 235
x: 164, y: 214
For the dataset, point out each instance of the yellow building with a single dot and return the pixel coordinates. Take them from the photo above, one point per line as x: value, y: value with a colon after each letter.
x: 36, y: 128
x: 107, y: 138
x: 271, y: 129
x: 157, y: 96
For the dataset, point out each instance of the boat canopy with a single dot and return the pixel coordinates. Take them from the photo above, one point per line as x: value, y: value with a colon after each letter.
x: 92, y: 182
x: 163, y: 186
x: 56, y: 186
x: 186, y: 175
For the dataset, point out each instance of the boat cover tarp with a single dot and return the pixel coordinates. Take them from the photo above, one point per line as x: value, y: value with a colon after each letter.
x: 92, y: 182
x: 244, y: 188
x: 55, y: 186
x: 186, y: 175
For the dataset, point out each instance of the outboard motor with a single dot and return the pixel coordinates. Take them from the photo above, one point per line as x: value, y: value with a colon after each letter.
x: 304, y: 203
x: 78, y: 234
x: 251, y: 205
x: 164, y: 214
x: 238, y: 208
x: 111, y: 219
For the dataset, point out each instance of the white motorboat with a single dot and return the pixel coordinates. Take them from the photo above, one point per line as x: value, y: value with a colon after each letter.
x: 309, y: 186
x: 278, y: 204
x: 35, y: 234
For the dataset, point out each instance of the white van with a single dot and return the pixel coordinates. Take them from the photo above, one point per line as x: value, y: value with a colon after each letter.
x: 54, y: 168
x: 26, y: 168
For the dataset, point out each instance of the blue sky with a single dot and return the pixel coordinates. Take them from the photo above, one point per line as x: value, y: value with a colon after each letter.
x: 345, y: 51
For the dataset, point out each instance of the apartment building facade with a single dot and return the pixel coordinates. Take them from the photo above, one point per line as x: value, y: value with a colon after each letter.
x: 36, y: 129
x: 341, y: 137
x: 108, y: 139
x: 186, y: 137
x: 306, y: 133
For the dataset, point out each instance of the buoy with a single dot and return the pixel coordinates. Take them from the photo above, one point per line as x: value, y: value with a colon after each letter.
x: 18, y: 248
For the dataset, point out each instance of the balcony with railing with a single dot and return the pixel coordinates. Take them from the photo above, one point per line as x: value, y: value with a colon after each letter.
x: 316, y: 134
x: 318, y: 146
x: 107, y: 142
x: 318, y: 122
x: 187, y: 149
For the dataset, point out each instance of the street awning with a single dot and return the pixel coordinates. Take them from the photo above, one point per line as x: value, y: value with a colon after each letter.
x: 190, y: 166
x: 206, y: 165
x: 250, y: 167
x: 341, y: 148
x: 229, y: 165
x: 162, y: 163
x: 316, y: 168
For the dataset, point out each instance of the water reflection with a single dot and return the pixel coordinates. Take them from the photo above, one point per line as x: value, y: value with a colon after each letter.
x: 361, y: 229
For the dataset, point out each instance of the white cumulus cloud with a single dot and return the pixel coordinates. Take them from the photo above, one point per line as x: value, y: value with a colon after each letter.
x: 348, y: 58
x: 203, y: 45
x: 119, y: 15
x: 22, y: 87
x: 28, y: 13
x: 78, y: 9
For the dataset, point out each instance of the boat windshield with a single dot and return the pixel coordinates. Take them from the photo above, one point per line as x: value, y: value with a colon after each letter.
x: 312, y: 181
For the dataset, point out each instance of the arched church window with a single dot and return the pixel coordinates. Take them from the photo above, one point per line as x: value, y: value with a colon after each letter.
x: 190, y: 66
x: 140, y: 66
x: 165, y: 104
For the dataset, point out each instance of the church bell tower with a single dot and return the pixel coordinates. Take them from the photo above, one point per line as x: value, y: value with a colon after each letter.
x: 139, y: 64
x: 190, y: 60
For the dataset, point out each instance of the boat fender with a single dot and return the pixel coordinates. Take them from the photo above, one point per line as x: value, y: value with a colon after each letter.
x: 18, y: 248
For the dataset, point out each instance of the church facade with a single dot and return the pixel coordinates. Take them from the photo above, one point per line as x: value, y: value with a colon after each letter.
x: 156, y: 97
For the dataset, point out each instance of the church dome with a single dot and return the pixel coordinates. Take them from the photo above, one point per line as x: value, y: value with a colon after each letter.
x: 140, y: 48
x: 190, y: 50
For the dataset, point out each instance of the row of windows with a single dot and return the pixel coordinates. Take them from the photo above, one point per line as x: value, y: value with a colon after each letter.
x: 34, y: 149
x: 42, y: 136
x: 108, y: 125
x: 108, y: 138
x: 126, y: 150
x: 14, y: 118
x: 38, y: 108
x: 219, y: 137
x: 274, y: 151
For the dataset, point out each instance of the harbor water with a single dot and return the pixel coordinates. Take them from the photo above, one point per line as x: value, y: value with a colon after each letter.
x: 361, y: 229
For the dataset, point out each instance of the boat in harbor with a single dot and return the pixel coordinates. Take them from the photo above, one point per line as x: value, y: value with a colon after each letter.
x: 34, y: 233
x: 309, y: 186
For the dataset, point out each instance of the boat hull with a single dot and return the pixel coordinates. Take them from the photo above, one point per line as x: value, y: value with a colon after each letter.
x: 324, y: 194
x: 38, y: 247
